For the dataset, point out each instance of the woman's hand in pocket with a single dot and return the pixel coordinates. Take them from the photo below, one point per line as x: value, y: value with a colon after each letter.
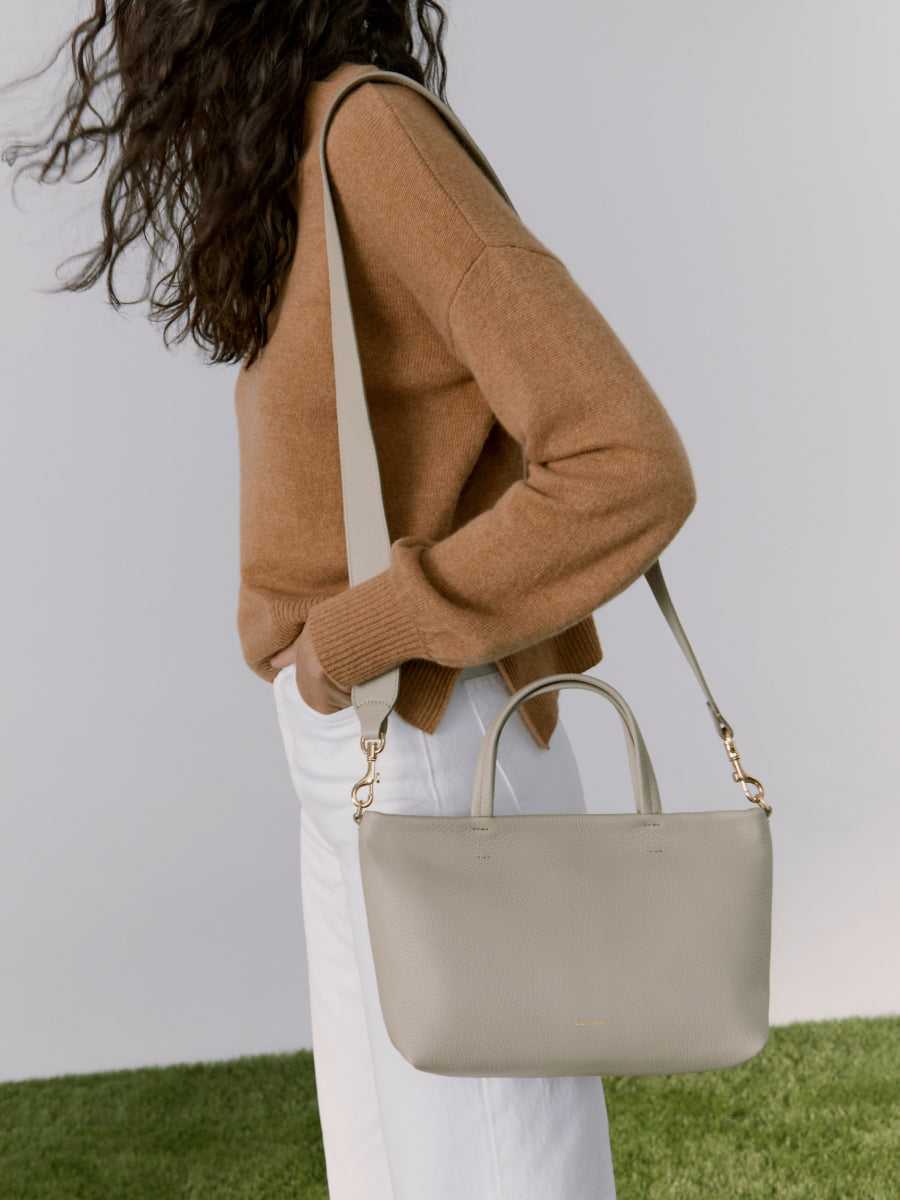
x: 318, y: 690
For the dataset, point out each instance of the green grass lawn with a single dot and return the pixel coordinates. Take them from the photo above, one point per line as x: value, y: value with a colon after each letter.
x: 815, y: 1116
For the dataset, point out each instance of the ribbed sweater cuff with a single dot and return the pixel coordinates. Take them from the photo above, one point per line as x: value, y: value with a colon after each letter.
x: 363, y: 631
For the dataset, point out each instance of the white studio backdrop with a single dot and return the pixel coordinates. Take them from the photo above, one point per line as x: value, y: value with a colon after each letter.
x: 722, y: 181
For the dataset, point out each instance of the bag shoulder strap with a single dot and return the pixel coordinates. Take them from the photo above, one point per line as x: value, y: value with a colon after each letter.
x: 368, y: 542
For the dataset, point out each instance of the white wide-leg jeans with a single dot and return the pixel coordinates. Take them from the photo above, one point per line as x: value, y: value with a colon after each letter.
x: 390, y: 1131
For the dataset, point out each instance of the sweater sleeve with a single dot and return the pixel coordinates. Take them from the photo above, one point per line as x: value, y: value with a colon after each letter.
x: 607, y: 487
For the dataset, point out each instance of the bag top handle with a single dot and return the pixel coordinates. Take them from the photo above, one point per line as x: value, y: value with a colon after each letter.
x: 643, y: 777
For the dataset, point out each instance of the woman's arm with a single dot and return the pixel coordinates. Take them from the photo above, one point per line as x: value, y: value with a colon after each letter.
x: 608, y: 484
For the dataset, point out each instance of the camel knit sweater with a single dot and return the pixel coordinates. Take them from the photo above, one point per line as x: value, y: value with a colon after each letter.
x: 529, y: 471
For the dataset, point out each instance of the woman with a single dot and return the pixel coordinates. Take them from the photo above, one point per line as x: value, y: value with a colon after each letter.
x: 529, y: 474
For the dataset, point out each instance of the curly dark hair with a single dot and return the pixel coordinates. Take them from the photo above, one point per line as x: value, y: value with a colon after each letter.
x: 203, y: 132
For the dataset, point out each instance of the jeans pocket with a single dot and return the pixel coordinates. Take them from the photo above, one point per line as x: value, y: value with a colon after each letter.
x: 286, y: 681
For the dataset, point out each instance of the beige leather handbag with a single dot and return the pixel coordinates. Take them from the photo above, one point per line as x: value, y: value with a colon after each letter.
x: 546, y: 944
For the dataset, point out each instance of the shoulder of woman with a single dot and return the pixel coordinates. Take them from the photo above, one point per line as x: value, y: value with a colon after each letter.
x: 387, y: 138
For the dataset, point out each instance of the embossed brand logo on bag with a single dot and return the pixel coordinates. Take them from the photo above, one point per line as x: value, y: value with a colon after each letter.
x: 589, y: 1022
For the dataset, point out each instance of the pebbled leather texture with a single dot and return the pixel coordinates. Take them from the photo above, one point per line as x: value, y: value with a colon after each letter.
x: 594, y: 944
x: 583, y: 944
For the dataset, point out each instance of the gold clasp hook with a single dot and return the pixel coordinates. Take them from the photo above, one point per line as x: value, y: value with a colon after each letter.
x: 741, y: 777
x: 372, y: 748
